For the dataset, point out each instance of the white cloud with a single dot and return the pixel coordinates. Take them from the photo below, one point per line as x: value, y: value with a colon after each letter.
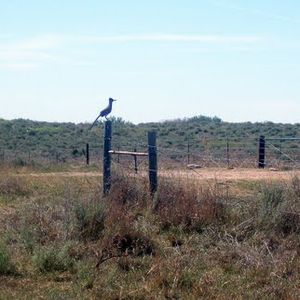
x: 28, y: 53
x: 208, y: 39
x: 22, y: 66
x: 32, y: 52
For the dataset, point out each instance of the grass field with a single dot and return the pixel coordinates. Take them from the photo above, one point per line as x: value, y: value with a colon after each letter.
x: 210, y: 235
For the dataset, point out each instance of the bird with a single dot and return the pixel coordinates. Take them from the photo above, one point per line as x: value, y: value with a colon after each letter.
x: 105, y: 112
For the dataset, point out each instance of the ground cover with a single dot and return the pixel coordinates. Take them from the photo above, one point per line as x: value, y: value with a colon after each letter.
x: 214, y: 238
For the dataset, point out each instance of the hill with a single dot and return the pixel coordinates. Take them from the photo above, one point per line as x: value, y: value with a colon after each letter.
x: 64, y: 140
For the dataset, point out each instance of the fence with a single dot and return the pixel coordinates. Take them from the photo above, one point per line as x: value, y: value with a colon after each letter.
x: 281, y: 153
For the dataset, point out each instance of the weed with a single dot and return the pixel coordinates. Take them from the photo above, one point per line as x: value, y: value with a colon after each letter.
x: 188, y: 206
x: 6, y: 266
x: 295, y: 185
x: 13, y: 186
x: 272, y: 197
x: 288, y: 222
x: 85, y: 276
x: 50, y: 259
x: 133, y: 244
x: 80, y: 246
x: 280, y: 207
x: 127, y: 190
x: 90, y: 219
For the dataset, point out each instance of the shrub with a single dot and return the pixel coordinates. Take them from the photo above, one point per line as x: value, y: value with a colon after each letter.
x: 85, y: 276
x: 6, y: 266
x: 133, y: 244
x: 130, y: 244
x: 50, y: 259
x: 125, y: 190
x: 272, y: 197
x: 179, y: 204
x: 19, y: 162
x: 296, y: 186
x: 28, y: 238
x: 45, y: 223
x: 288, y: 222
x: 279, y: 209
x: 89, y: 218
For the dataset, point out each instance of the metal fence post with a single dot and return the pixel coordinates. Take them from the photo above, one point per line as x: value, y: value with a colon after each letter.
x: 29, y: 157
x: 87, y: 154
x: 3, y: 156
x: 107, y: 158
x: 135, y: 162
x: 152, y: 151
x: 188, y: 152
x: 118, y: 157
x: 228, y: 153
x: 262, y: 152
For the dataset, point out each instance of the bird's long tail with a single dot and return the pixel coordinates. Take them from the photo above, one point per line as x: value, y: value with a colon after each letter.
x: 95, y: 122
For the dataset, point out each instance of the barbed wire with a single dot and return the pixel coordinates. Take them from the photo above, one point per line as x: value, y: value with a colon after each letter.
x: 284, y: 154
x: 233, y: 154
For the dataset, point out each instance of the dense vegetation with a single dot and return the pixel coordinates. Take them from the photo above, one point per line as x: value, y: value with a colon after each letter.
x: 60, y: 239
x: 64, y: 140
x: 26, y: 134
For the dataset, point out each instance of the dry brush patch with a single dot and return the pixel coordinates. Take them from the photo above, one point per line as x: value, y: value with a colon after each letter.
x: 189, y: 241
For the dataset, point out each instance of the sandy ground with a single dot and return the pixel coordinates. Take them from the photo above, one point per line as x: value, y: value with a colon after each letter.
x: 201, y: 174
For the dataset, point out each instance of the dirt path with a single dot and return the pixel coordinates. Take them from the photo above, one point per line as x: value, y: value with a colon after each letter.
x: 201, y: 174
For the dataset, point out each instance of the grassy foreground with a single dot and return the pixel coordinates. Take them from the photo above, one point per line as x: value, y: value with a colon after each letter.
x: 60, y: 239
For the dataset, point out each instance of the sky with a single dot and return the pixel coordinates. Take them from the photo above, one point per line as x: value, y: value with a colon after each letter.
x: 60, y: 60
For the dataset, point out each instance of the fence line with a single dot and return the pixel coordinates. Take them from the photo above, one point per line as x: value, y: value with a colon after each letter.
x: 208, y: 152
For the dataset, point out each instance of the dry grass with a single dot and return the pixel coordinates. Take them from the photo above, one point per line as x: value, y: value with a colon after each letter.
x: 65, y: 241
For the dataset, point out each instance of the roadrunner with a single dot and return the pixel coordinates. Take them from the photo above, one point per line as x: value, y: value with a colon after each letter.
x: 105, y: 112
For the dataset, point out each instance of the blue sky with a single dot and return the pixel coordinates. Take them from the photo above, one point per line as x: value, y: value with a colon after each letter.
x: 60, y: 60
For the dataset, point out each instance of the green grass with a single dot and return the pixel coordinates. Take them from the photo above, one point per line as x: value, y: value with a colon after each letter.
x: 65, y: 241
x: 6, y: 266
x: 51, y: 259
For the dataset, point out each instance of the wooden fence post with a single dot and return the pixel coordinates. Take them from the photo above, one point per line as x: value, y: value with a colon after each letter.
x: 261, y: 152
x: 152, y: 151
x: 87, y: 153
x: 107, y: 158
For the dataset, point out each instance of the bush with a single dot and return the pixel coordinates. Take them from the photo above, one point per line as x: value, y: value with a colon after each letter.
x: 45, y: 223
x: 85, y: 276
x: 19, y: 162
x: 89, y: 218
x: 279, y: 209
x: 126, y: 190
x: 188, y: 206
x: 272, y: 197
x: 288, y: 222
x: 133, y: 244
x: 53, y: 259
x: 6, y: 267
x: 296, y: 186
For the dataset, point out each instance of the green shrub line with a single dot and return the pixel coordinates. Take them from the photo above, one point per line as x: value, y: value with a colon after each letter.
x: 46, y: 140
